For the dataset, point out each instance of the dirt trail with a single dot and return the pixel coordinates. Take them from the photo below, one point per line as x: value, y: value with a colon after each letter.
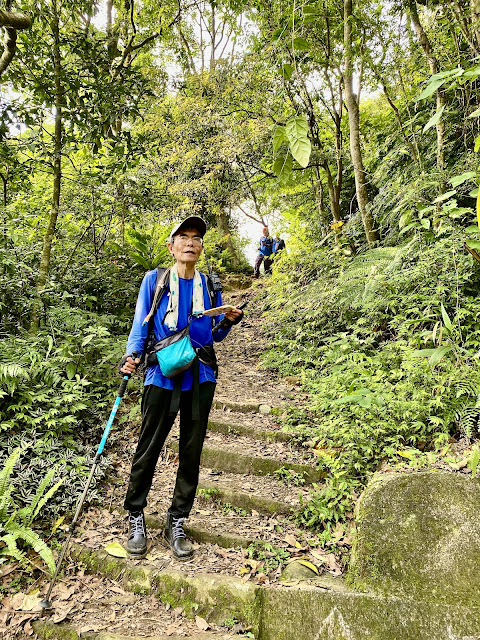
x: 237, y: 510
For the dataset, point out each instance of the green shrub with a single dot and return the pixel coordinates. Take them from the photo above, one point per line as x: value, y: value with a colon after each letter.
x: 16, y: 523
x: 387, y: 346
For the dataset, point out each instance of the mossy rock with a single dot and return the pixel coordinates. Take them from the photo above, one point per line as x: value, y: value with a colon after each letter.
x: 418, y: 536
x: 329, y: 614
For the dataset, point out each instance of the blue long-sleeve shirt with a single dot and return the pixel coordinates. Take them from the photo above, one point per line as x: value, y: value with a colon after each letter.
x: 266, y: 246
x: 200, y: 328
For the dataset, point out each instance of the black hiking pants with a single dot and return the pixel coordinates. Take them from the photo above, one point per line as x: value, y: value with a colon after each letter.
x: 156, y: 425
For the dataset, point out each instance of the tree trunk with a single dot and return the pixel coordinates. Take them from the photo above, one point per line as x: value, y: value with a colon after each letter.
x: 44, y: 267
x: 475, y: 9
x: 433, y: 66
x: 15, y: 20
x: 12, y: 22
x: 332, y: 193
x: 354, y: 126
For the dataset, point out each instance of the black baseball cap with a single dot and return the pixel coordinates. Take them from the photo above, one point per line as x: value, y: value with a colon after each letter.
x: 192, y: 221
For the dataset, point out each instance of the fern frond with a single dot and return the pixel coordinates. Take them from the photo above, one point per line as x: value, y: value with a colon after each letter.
x: 45, y: 498
x: 7, y: 470
x: 5, y: 502
x: 11, y: 548
x: 34, y: 541
x: 28, y: 514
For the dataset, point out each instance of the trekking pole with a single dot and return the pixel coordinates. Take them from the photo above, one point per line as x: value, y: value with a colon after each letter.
x: 46, y: 603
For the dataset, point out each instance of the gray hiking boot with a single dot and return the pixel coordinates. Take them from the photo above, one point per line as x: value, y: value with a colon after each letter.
x: 176, y: 538
x: 137, y: 534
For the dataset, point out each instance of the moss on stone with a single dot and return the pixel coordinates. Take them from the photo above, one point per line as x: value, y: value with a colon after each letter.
x: 50, y: 631
x: 244, y: 500
x: 137, y: 580
x: 177, y: 591
x: 98, y: 561
x: 241, y: 407
x: 418, y: 535
x: 314, y: 614
x: 234, y: 462
x: 214, y: 597
x: 247, y: 430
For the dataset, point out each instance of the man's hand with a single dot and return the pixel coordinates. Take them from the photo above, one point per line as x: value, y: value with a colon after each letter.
x: 234, y: 315
x: 130, y: 365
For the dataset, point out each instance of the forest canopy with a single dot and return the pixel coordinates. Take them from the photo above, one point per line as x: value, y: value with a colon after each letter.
x: 350, y: 127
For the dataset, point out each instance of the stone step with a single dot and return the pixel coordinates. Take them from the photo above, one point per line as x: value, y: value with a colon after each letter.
x: 227, y: 527
x: 320, y: 609
x: 233, y: 462
x: 247, y: 406
x: 205, y: 534
x: 50, y: 631
x: 223, y: 492
x: 229, y: 428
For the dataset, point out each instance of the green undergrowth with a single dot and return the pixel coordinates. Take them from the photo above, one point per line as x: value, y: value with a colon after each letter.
x: 57, y: 388
x: 387, y: 346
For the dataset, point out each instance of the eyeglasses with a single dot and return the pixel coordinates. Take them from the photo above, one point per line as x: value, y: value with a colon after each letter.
x: 181, y: 237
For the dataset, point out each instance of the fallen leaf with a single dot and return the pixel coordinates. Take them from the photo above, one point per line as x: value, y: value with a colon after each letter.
x: 16, y: 602
x: 201, y: 623
x: 7, y: 569
x: 115, y: 549
x: 309, y: 565
x: 61, y: 614
x: 289, y: 539
x: 319, y: 555
x: 90, y: 627
x: 28, y: 629
x: 62, y: 592
x: 31, y: 601
x: 169, y: 631
x: 119, y: 590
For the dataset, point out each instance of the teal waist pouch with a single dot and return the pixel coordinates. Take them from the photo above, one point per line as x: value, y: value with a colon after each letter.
x: 175, y: 353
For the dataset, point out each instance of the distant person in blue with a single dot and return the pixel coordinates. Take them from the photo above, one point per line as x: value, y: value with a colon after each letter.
x: 278, y: 245
x: 265, y: 252
x: 186, y: 295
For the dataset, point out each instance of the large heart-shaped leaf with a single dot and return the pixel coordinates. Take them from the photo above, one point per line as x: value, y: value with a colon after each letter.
x: 283, y: 167
x: 296, y: 129
x: 278, y: 138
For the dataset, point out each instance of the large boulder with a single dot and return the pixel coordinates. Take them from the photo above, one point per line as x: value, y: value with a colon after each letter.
x: 418, y: 536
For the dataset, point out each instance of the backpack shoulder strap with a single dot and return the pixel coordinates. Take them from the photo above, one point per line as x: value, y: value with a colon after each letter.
x: 162, y: 284
x: 212, y: 294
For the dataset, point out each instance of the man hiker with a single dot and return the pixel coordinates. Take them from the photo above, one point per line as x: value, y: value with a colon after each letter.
x: 265, y: 250
x: 185, y: 296
x: 278, y: 244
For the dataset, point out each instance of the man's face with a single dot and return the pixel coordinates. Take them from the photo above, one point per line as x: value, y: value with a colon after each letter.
x: 187, y: 246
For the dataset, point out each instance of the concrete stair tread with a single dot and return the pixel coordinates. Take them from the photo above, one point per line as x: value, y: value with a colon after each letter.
x: 96, y: 607
x: 224, y: 457
x: 50, y: 631
x: 247, y: 445
x: 233, y: 423
x: 260, y: 493
x: 245, y: 405
x: 320, y: 608
x: 208, y: 525
x: 231, y: 528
